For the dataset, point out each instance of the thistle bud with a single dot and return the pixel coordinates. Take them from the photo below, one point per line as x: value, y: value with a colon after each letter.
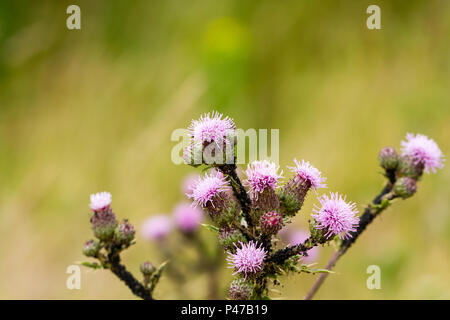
x: 125, y: 232
x: 317, y: 235
x: 388, y: 158
x: 271, y: 222
x: 103, y: 224
x: 405, y: 187
x: 407, y: 167
x: 91, y: 248
x: 240, y: 290
x: 228, y: 237
x: 147, y: 268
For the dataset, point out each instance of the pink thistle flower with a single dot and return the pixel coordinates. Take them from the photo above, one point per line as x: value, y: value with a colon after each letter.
x: 261, y: 175
x: 423, y: 150
x: 100, y: 201
x: 248, y: 259
x: 335, y: 216
x: 305, y: 171
x: 157, y: 228
x: 211, y: 127
x: 187, y: 218
x: 205, y: 189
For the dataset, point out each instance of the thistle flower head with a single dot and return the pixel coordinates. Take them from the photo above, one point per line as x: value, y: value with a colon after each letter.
x: 423, y: 150
x: 125, y: 232
x: 204, y: 189
x: 157, y: 228
x: 261, y: 175
x: 100, y: 201
x: 187, y: 218
x: 248, y: 259
x: 211, y: 127
x: 307, y: 172
x: 336, y: 217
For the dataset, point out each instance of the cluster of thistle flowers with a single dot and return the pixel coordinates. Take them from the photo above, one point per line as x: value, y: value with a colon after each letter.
x: 273, y: 205
x: 418, y: 154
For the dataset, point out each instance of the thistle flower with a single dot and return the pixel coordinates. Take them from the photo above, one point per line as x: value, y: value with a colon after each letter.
x: 100, y: 201
x: 211, y: 127
x: 306, y: 172
x: 157, y: 228
x: 206, y: 189
x: 187, y: 218
x: 262, y: 175
x: 248, y: 259
x: 271, y: 222
x: 336, y: 217
x: 211, y: 134
x: 240, y: 290
x: 424, y: 150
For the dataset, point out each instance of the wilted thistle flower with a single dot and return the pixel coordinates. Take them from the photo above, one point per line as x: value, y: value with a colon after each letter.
x: 423, y: 150
x: 336, y: 217
x: 125, y: 232
x: 228, y: 237
x: 91, y: 248
x: 271, y: 222
x: 405, y: 187
x: 100, y: 201
x: 157, y: 228
x: 212, y: 129
x: 211, y: 192
x: 187, y: 218
x: 240, y: 290
x: 388, y: 158
x: 248, y: 259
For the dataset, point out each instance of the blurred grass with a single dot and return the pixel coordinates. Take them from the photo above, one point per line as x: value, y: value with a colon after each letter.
x: 91, y: 110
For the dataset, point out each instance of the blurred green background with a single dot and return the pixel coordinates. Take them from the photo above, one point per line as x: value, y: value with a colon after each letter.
x: 89, y: 110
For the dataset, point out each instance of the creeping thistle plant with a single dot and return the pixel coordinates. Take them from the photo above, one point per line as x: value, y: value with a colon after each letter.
x: 249, y: 215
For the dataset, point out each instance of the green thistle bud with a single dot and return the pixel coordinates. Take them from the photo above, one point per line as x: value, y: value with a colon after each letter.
x: 125, y: 232
x: 91, y: 248
x: 317, y: 235
x: 405, y: 187
x: 103, y: 224
x: 240, y: 290
x: 388, y: 158
x: 407, y: 167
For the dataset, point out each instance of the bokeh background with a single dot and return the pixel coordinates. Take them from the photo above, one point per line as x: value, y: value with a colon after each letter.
x: 89, y: 110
